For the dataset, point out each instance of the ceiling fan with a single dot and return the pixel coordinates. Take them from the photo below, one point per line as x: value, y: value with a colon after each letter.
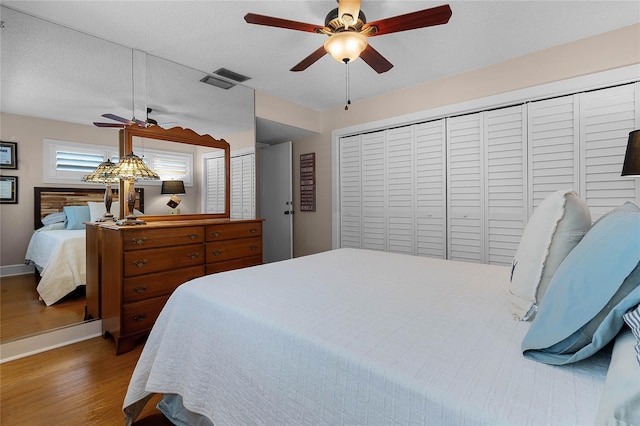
x: 348, y: 29
x: 123, y: 122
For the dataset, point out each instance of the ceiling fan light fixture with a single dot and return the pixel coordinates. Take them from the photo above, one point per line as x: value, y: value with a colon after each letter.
x: 345, y: 46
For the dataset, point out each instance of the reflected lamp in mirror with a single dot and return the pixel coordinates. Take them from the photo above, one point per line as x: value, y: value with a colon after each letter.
x: 131, y: 168
x: 631, y: 166
x: 173, y: 187
x: 102, y: 174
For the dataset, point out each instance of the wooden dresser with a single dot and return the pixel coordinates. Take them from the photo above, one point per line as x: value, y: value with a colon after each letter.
x: 142, y: 265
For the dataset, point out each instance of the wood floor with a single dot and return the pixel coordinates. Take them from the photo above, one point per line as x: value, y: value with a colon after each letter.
x: 80, y: 384
x: 22, y: 314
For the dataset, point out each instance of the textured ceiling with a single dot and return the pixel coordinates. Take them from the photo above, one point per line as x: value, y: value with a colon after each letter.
x: 207, y: 35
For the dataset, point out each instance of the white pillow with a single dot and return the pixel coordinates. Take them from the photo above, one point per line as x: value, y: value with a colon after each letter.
x: 556, y: 226
x: 97, y: 210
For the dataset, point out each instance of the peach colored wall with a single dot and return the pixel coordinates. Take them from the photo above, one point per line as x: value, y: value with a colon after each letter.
x: 286, y: 112
x: 312, y: 230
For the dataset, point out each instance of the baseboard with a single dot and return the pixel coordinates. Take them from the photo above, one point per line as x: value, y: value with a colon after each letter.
x: 10, y: 270
x: 50, y: 340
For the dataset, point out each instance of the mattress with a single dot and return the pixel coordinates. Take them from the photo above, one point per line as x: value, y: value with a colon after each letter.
x: 357, y: 337
x: 60, y: 257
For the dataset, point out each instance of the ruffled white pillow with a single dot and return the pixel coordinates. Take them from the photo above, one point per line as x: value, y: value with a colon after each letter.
x: 556, y: 226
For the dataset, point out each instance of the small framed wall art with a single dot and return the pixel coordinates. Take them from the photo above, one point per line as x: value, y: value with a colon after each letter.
x: 8, y: 155
x: 8, y: 189
x: 308, y: 182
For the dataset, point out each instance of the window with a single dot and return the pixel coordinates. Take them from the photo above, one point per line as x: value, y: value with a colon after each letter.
x: 68, y: 162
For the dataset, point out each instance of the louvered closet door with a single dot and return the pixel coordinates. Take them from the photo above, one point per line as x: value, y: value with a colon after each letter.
x: 606, y: 118
x: 215, y: 185
x: 350, y: 192
x: 553, y: 148
x: 400, y: 190
x: 374, y: 195
x: 505, y: 178
x: 430, y: 189
x: 466, y: 184
x: 243, y: 187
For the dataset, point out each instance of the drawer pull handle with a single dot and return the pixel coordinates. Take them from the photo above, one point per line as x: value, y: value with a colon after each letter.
x: 253, y: 247
x: 216, y: 234
x: 140, y: 289
x: 140, y: 263
x: 192, y: 236
x: 193, y: 255
x: 217, y: 253
x: 140, y: 317
x: 253, y: 230
x: 140, y: 241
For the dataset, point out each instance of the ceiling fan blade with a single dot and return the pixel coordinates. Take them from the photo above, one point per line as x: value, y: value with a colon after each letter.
x: 348, y: 11
x: 117, y: 118
x: 108, y: 124
x: 309, y: 60
x: 410, y: 21
x: 270, y: 21
x: 375, y: 60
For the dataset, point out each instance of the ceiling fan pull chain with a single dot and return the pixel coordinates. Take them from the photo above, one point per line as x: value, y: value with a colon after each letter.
x: 347, y: 84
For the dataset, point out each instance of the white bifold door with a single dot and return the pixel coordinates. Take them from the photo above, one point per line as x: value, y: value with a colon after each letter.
x: 464, y: 187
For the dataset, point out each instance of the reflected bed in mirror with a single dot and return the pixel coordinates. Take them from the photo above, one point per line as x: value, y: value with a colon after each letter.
x: 54, y: 296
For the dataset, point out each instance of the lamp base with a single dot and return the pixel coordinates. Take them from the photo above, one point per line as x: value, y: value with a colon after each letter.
x: 130, y: 220
x: 107, y: 217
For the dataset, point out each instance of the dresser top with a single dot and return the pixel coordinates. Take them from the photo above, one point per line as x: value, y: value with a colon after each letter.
x: 177, y: 223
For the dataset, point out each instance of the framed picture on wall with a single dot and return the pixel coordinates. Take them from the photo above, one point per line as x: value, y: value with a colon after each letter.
x: 8, y: 189
x: 8, y: 155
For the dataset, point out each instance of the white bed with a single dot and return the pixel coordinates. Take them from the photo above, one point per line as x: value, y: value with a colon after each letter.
x: 59, y: 256
x: 355, y: 337
x: 58, y: 249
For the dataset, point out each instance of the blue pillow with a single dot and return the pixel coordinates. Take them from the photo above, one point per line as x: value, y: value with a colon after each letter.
x: 593, y: 287
x: 76, y: 216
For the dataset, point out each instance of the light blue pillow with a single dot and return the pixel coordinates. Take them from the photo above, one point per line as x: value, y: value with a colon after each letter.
x: 76, y: 216
x: 620, y: 401
x: 590, y: 292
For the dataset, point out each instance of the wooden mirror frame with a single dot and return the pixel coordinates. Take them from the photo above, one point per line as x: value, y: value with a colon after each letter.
x: 180, y: 135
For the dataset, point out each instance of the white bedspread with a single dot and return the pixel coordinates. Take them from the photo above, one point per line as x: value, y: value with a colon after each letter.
x: 60, y: 256
x: 357, y: 337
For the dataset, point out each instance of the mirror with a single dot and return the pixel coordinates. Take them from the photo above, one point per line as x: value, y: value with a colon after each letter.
x: 155, y: 136
x: 56, y: 81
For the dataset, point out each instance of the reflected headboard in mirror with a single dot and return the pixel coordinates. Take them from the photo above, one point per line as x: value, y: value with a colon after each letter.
x: 185, y: 136
x: 47, y: 200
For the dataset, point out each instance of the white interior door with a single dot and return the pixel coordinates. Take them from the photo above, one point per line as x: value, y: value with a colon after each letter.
x: 276, y: 205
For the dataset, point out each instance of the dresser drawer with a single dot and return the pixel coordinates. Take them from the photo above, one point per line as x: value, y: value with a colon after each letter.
x: 142, y: 238
x: 141, y: 262
x: 229, y: 231
x: 140, y: 316
x: 229, y: 265
x: 159, y: 284
x: 232, y: 249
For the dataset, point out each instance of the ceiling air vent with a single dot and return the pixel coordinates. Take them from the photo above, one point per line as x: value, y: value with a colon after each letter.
x: 230, y: 75
x: 218, y: 82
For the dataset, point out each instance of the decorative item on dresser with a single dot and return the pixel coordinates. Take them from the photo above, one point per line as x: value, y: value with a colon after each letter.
x: 146, y: 264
